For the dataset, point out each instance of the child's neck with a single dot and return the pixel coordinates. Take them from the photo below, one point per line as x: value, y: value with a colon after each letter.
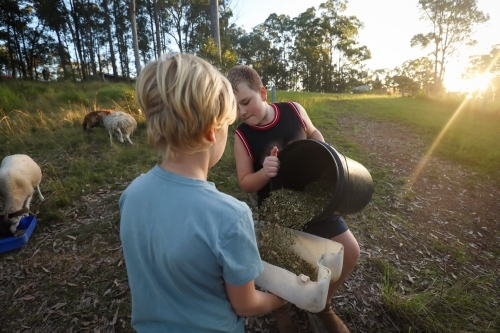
x: 269, y: 115
x: 188, y: 165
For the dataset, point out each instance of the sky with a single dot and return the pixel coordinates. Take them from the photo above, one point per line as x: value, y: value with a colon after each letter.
x: 389, y: 26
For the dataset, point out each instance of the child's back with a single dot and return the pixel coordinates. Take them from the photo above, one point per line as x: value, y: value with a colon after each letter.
x: 172, y: 237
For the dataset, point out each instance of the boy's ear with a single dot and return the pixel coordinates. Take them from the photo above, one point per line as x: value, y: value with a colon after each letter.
x: 210, y: 135
x: 263, y: 93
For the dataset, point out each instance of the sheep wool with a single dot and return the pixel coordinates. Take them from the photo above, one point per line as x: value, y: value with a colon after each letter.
x: 19, y: 176
x: 121, y: 124
x: 95, y: 119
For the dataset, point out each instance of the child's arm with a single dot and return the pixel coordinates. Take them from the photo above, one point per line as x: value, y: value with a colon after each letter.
x: 249, y: 180
x: 247, y: 301
x: 311, y: 131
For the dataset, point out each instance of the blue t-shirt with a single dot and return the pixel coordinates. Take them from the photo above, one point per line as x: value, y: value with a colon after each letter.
x: 182, y: 240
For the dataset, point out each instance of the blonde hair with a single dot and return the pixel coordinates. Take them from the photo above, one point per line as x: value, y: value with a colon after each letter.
x: 244, y: 74
x: 183, y: 97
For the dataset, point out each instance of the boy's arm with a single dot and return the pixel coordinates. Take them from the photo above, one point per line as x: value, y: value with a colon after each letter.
x: 311, y: 131
x: 247, y: 301
x: 249, y: 180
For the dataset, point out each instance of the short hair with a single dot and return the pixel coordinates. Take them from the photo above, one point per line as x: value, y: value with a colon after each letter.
x: 244, y: 74
x: 182, y: 97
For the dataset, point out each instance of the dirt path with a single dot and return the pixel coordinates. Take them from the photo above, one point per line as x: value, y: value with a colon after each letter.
x: 444, y: 206
x: 448, y: 202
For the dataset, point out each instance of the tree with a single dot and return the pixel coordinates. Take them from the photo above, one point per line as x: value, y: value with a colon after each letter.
x: 420, y: 71
x: 486, y: 64
x: 135, y: 39
x: 451, y: 26
x: 107, y: 24
x: 214, y: 24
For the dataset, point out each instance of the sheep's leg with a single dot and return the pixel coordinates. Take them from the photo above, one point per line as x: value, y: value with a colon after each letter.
x: 27, y: 202
x: 111, y: 137
x: 127, y: 136
x: 121, y: 135
x: 40, y: 193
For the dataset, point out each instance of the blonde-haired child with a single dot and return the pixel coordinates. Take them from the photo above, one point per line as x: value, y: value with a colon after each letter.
x: 190, y: 250
x: 266, y: 129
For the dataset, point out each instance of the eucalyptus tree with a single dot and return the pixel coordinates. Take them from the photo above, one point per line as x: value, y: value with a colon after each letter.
x: 214, y: 24
x: 28, y: 44
x: 307, y: 53
x: 486, y: 64
x: 109, y: 35
x: 50, y: 11
x: 278, y: 30
x: 229, y: 34
x: 123, y: 34
x: 135, y: 38
x: 420, y: 71
x: 380, y: 79
x: 451, y: 24
x: 177, y: 11
x: 72, y: 9
x: 15, y: 18
x: 255, y: 50
x: 343, y: 65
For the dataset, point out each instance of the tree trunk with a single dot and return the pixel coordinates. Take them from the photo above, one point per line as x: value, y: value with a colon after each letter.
x: 134, y: 36
x: 107, y: 23
x: 157, y: 26
x: 61, y: 54
x: 76, y: 40
x: 214, y: 24
x: 150, y: 9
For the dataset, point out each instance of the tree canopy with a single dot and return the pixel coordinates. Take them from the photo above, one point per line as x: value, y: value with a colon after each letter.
x: 92, y: 39
x: 451, y: 24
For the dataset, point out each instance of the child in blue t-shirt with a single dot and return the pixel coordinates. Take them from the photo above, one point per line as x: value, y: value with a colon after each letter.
x: 190, y: 250
x: 266, y: 129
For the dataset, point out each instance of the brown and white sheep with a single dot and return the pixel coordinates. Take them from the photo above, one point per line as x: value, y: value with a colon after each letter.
x: 121, y: 124
x: 95, y: 119
x: 19, y: 176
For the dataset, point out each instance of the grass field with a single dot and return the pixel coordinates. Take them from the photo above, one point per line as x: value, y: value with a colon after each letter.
x: 44, y: 121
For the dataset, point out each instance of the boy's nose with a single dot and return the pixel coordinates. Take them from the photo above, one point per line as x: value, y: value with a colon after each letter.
x: 242, y: 110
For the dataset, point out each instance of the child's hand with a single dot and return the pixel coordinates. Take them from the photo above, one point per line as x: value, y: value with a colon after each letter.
x: 271, y: 164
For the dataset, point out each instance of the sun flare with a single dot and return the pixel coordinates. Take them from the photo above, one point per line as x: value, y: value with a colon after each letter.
x: 476, y: 84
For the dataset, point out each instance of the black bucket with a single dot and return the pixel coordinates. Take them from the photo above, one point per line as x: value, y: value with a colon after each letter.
x: 306, y: 161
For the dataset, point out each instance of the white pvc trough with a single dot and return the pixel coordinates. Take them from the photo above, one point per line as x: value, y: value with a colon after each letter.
x: 309, y: 295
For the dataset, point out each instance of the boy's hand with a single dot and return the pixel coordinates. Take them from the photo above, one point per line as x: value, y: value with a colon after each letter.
x: 271, y: 164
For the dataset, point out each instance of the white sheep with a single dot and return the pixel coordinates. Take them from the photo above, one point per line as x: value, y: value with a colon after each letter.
x: 95, y: 119
x: 19, y: 175
x: 121, y: 124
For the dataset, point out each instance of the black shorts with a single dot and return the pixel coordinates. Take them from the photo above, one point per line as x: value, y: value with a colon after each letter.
x: 327, y: 228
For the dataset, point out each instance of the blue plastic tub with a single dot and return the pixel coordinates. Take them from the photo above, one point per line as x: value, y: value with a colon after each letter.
x: 27, y: 223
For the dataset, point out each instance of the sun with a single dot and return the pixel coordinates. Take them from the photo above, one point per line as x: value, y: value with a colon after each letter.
x: 472, y: 86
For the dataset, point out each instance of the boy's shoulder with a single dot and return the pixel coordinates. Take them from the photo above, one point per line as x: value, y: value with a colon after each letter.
x: 230, y: 203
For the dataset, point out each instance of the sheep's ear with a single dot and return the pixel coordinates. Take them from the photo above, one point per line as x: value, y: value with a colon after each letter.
x: 6, y: 218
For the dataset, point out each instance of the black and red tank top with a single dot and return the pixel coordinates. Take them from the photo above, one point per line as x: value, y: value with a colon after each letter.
x: 286, y: 127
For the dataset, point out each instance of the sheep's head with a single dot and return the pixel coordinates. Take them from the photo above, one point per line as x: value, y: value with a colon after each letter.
x: 9, y: 222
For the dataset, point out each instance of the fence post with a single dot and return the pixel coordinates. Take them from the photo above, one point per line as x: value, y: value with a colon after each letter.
x: 273, y: 94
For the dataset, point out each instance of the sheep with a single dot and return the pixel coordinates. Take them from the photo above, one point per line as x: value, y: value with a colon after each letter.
x: 9, y: 222
x: 95, y: 119
x: 19, y: 175
x: 121, y: 124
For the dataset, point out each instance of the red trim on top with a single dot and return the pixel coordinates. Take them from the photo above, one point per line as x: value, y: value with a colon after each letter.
x: 294, y: 107
x: 245, y: 143
x: 277, y: 115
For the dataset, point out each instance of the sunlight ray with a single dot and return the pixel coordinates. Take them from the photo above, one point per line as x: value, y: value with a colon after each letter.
x: 423, y: 161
